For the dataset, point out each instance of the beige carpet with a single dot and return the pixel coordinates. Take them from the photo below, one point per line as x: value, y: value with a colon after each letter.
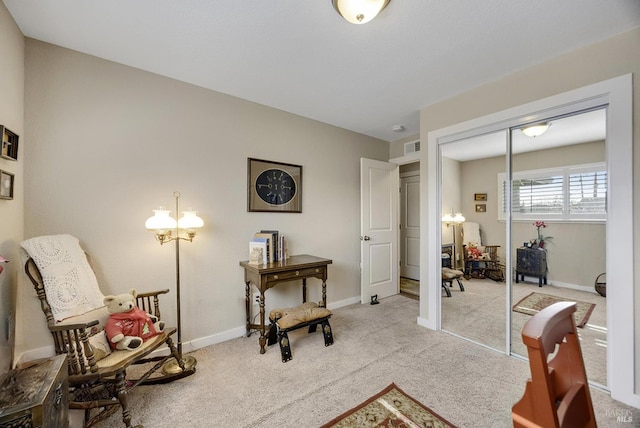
x: 236, y: 386
x: 535, y: 302
x: 478, y: 313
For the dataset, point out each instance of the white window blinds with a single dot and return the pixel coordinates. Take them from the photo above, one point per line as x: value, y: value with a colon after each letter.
x: 571, y: 193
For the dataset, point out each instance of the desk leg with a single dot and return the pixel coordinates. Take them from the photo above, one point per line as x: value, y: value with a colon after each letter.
x: 247, y: 293
x: 324, y: 294
x: 304, y: 290
x: 263, y: 335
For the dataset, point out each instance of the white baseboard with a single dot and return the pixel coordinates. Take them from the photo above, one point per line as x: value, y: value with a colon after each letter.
x: 193, y: 345
x: 563, y: 284
x: 343, y: 303
x: 424, y: 322
x: 573, y: 286
x: 223, y: 336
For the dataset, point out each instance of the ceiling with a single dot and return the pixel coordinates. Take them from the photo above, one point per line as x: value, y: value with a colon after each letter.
x: 300, y: 56
x: 580, y: 128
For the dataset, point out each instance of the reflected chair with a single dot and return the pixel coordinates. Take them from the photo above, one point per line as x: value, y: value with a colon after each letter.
x: 480, y: 261
x: 448, y: 275
x: 557, y: 395
x: 72, y: 304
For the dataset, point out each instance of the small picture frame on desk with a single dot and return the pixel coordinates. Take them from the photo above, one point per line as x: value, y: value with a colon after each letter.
x: 6, y: 185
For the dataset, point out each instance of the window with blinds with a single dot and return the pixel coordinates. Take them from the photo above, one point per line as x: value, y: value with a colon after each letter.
x: 571, y: 193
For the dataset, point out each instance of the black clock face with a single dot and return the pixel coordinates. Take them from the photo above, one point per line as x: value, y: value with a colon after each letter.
x: 276, y: 187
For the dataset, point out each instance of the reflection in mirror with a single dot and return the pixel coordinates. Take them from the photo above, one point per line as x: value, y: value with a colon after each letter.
x: 558, y: 229
x: 476, y: 247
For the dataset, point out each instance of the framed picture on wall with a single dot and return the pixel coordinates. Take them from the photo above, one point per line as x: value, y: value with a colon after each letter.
x: 481, y: 208
x: 6, y: 185
x: 273, y: 186
x: 480, y: 197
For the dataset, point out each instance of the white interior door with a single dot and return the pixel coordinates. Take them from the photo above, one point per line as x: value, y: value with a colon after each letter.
x: 379, y: 188
x: 410, y: 227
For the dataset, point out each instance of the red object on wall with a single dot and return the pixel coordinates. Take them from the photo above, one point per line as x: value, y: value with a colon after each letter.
x: 3, y: 260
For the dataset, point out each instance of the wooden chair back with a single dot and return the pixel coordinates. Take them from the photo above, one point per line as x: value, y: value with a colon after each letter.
x: 557, y: 395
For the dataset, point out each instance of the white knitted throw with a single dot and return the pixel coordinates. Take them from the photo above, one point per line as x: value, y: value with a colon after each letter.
x: 69, y: 282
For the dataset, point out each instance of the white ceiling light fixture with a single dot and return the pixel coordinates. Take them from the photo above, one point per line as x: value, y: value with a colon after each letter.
x: 359, y: 11
x: 536, y: 130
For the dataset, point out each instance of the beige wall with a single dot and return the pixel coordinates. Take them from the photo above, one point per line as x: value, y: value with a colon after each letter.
x: 396, y: 147
x: 569, y: 239
x: 11, y: 211
x: 109, y: 143
x: 612, y: 58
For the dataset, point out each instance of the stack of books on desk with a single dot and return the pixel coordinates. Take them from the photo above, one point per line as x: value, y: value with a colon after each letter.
x: 272, y: 243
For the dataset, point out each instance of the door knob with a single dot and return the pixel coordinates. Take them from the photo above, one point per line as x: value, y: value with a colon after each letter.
x: 365, y: 238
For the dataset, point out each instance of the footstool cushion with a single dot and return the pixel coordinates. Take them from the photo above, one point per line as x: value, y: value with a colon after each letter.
x: 290, y: 317
x: 448, y: 275
x: 285, y: 320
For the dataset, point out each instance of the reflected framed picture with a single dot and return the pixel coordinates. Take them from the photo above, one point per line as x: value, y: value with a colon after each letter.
x: 479, y: 196
x: 6, y: 185
x: 481, y: 208
x: 273, y: 186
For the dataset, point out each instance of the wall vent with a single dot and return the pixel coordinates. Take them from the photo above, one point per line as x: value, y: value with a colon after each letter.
x: 411, y: 147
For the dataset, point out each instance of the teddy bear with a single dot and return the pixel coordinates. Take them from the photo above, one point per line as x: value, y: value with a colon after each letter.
x: 129, y: 326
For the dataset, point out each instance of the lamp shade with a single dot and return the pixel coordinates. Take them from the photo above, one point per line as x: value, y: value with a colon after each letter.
x: 535, y: 130
x: 458, y: 218
x: 161, y: 221
x: 190, y: 221
x: 359, y: 11
x: 447, y: 218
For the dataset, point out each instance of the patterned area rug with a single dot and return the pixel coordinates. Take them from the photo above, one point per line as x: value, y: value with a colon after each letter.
x: 410, y: 286
x: 389, y: 408
x: 535, y: 302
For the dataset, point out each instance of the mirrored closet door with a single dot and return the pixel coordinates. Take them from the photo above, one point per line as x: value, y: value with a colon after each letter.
x: 558, y: 228
x: 474, y: 238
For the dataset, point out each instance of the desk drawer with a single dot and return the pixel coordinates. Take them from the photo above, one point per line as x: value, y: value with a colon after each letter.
x: 300, y: 273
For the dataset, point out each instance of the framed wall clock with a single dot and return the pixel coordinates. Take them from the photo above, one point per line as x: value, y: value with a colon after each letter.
x: 273, y: 186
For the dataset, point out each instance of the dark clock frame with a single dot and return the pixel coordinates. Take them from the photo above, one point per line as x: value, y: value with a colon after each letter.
x: 255, y: 167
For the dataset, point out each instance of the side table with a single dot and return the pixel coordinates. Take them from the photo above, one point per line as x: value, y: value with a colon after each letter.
x: 265, y: 276
x: 532, y: 262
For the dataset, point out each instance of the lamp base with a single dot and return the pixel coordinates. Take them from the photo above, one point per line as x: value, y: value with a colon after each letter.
x: 171, y: 367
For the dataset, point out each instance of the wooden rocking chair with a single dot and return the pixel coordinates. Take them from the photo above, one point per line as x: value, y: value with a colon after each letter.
x: 97, y: 376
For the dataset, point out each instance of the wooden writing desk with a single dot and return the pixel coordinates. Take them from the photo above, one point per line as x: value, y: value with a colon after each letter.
x: 265, y: 276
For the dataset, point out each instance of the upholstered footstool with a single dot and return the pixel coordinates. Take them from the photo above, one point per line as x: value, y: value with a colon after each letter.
x: 289, y: 319
x: 448, y: 276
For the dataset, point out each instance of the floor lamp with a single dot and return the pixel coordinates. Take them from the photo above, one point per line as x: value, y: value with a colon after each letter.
x: 164, y: 226
x: 453, y: 220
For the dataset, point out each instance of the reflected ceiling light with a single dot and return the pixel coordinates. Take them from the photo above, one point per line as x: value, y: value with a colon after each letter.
x: 359, y: 11
x: 536, y: 129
